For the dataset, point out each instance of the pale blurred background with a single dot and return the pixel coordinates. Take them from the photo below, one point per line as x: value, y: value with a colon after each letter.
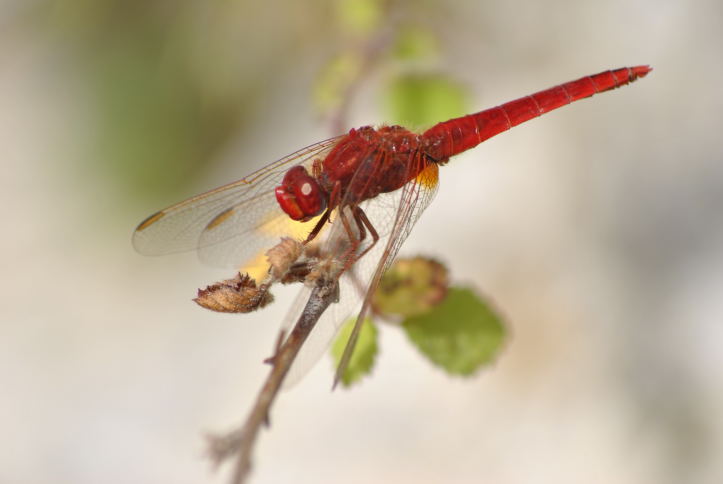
x: 596, y: 230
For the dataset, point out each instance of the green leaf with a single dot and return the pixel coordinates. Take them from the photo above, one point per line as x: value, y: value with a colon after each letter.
x: 417, y: 100
x: 460, y: 335
x: 359, y: 16
x: 413, y: 43
x: 365, y: 352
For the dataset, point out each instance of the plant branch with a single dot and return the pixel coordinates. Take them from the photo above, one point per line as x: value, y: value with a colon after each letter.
x: 240, y: 442
x: 369, y: 54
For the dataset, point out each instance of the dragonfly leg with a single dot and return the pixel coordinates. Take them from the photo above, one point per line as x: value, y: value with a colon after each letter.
x: 319, y: 225
x: 333, y: 201
x: 354, y: 238
x: 362, y: 225
x: 363, y: 221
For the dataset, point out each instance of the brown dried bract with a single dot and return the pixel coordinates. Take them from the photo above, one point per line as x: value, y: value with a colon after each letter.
x: 237, y: 295
x: 283, y: 255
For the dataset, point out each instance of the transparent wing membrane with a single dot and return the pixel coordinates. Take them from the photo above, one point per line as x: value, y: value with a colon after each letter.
x: 235, y: 225
x: 230, y: 215
x: 393, y: 215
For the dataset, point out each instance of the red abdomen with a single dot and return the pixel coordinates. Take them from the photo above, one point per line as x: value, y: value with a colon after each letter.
x: 457, y: 135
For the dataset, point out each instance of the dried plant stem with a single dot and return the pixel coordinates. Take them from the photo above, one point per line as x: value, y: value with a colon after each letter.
x: 240, y: 442
x: 369, y: 54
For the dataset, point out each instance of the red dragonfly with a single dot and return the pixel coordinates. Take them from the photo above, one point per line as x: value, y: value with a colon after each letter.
x: 367, y: 188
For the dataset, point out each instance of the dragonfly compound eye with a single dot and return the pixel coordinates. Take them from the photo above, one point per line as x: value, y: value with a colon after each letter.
x: 300, y: 196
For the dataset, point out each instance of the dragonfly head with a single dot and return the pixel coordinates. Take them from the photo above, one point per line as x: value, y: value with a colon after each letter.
x: 300, y: 195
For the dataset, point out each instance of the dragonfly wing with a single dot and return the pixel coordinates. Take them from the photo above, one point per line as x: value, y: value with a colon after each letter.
x: 326, y: 328
x: 231, y: 213
x: 414, y: 198
x: 227, y: 244
x: 351, y: 292
x: 393, y: 216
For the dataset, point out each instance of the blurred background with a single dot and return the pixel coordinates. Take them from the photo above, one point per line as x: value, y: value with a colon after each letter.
x: 596, y: 230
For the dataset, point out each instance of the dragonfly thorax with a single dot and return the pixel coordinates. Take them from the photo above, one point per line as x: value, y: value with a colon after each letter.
x: 364, y: 163
x: 369, y: 161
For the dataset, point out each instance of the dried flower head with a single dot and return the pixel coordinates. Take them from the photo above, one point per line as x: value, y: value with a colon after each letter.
x: 323, y: 270
x: 412, y: 286
x: 283, y: 255
x: 237, y: 295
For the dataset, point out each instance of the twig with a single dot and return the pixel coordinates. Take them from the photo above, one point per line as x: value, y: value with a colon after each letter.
x: 369, y: 54
x: 240, y: 442
x: 370, y: 51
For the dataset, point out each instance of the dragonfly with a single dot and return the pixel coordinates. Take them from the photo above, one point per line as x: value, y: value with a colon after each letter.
x: 366, y: 188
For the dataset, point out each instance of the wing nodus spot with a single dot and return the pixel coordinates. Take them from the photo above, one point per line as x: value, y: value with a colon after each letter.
x: 220, y: 218
x: 150, y: 221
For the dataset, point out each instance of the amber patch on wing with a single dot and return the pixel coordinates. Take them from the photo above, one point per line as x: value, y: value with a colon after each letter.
x: 219, y: 219
x: 150, y: 221
x: 276, y: 227
x: 257, y: 267
x: 429, y: 177
x: 283, y: 226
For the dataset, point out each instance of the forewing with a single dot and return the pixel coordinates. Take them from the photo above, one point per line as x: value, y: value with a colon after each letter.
x: 225, y: 223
